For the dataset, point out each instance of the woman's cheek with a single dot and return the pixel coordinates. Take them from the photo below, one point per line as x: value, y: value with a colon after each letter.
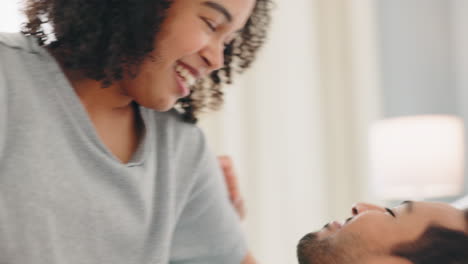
x: 193, y: 43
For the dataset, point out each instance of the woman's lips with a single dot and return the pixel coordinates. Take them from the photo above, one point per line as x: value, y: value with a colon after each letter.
x: 183, y: 89
x: 193, y: 71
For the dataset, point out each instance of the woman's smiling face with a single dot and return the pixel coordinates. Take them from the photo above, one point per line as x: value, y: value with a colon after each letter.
x: 189, y: 46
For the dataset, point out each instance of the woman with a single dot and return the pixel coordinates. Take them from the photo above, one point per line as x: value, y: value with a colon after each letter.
x: 100, y: 161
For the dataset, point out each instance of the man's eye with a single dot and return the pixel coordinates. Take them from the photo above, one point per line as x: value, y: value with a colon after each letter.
x: 209, y: 23
x: 390, y: 211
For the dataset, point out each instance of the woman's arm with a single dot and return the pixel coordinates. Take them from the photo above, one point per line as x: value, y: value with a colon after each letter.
x: 234, y: 195
x: 232, y: 184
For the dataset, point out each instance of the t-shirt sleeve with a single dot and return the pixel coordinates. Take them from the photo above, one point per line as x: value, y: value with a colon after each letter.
x: 208, y: 230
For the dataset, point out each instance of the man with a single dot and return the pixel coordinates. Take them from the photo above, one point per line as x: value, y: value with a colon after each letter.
x: 412, y: 233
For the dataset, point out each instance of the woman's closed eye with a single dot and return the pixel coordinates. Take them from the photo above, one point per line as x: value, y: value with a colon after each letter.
x: 211, y: 25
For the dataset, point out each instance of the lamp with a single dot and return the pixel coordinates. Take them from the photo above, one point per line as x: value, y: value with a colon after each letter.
x: 416, y: 157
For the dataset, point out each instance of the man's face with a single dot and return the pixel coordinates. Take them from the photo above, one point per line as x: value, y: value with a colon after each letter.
x: 376, y: 230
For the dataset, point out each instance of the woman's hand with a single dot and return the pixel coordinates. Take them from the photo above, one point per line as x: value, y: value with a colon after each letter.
x: 232, y: 185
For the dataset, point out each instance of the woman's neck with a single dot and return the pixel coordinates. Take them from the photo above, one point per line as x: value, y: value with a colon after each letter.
x: 93, y: 96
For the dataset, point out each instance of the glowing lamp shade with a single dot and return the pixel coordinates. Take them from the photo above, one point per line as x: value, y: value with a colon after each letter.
x: 416, y: 157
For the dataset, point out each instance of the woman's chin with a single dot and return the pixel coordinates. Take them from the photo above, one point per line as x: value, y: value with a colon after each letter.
x: 159, y: 105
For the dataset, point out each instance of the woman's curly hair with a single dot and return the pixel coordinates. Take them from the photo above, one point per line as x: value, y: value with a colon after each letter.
x: 98, y: 37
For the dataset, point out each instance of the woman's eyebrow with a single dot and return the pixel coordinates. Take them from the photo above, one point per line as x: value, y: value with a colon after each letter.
x: 220, y: 8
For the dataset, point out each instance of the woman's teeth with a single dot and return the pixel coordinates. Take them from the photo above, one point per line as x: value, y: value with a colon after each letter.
x: 186, y: 75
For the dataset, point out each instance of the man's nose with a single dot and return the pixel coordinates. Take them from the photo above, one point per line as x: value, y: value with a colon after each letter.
x: 359, y: 208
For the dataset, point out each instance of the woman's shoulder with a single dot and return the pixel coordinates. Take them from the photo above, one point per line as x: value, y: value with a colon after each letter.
x: 17, y: 50
x: 17, y: 42
x: 171, y: 124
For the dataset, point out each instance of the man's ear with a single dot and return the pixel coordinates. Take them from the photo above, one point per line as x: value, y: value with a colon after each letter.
x: 387, y: 260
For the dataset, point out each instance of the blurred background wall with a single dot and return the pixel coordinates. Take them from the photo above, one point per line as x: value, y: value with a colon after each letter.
x: 296, y: 124
x: 423, y: 58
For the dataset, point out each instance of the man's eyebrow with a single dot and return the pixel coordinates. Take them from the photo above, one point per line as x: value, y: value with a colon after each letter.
x: 220, y: 8
x: 409, y: 205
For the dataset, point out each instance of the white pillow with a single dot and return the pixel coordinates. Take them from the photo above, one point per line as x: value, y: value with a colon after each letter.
x: 462, y: 203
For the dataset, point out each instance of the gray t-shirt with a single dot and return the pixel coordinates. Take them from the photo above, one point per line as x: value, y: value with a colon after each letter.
x: 64, y: 197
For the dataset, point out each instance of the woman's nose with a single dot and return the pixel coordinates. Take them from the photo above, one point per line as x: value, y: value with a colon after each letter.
x: 213, y: 56
x: 359, y: 208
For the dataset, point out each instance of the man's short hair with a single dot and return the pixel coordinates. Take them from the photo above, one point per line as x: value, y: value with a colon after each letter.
x: 436, y: 245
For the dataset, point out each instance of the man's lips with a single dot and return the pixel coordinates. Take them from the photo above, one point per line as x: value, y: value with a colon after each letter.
x: 329, y: 229
x: 336, y: 225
